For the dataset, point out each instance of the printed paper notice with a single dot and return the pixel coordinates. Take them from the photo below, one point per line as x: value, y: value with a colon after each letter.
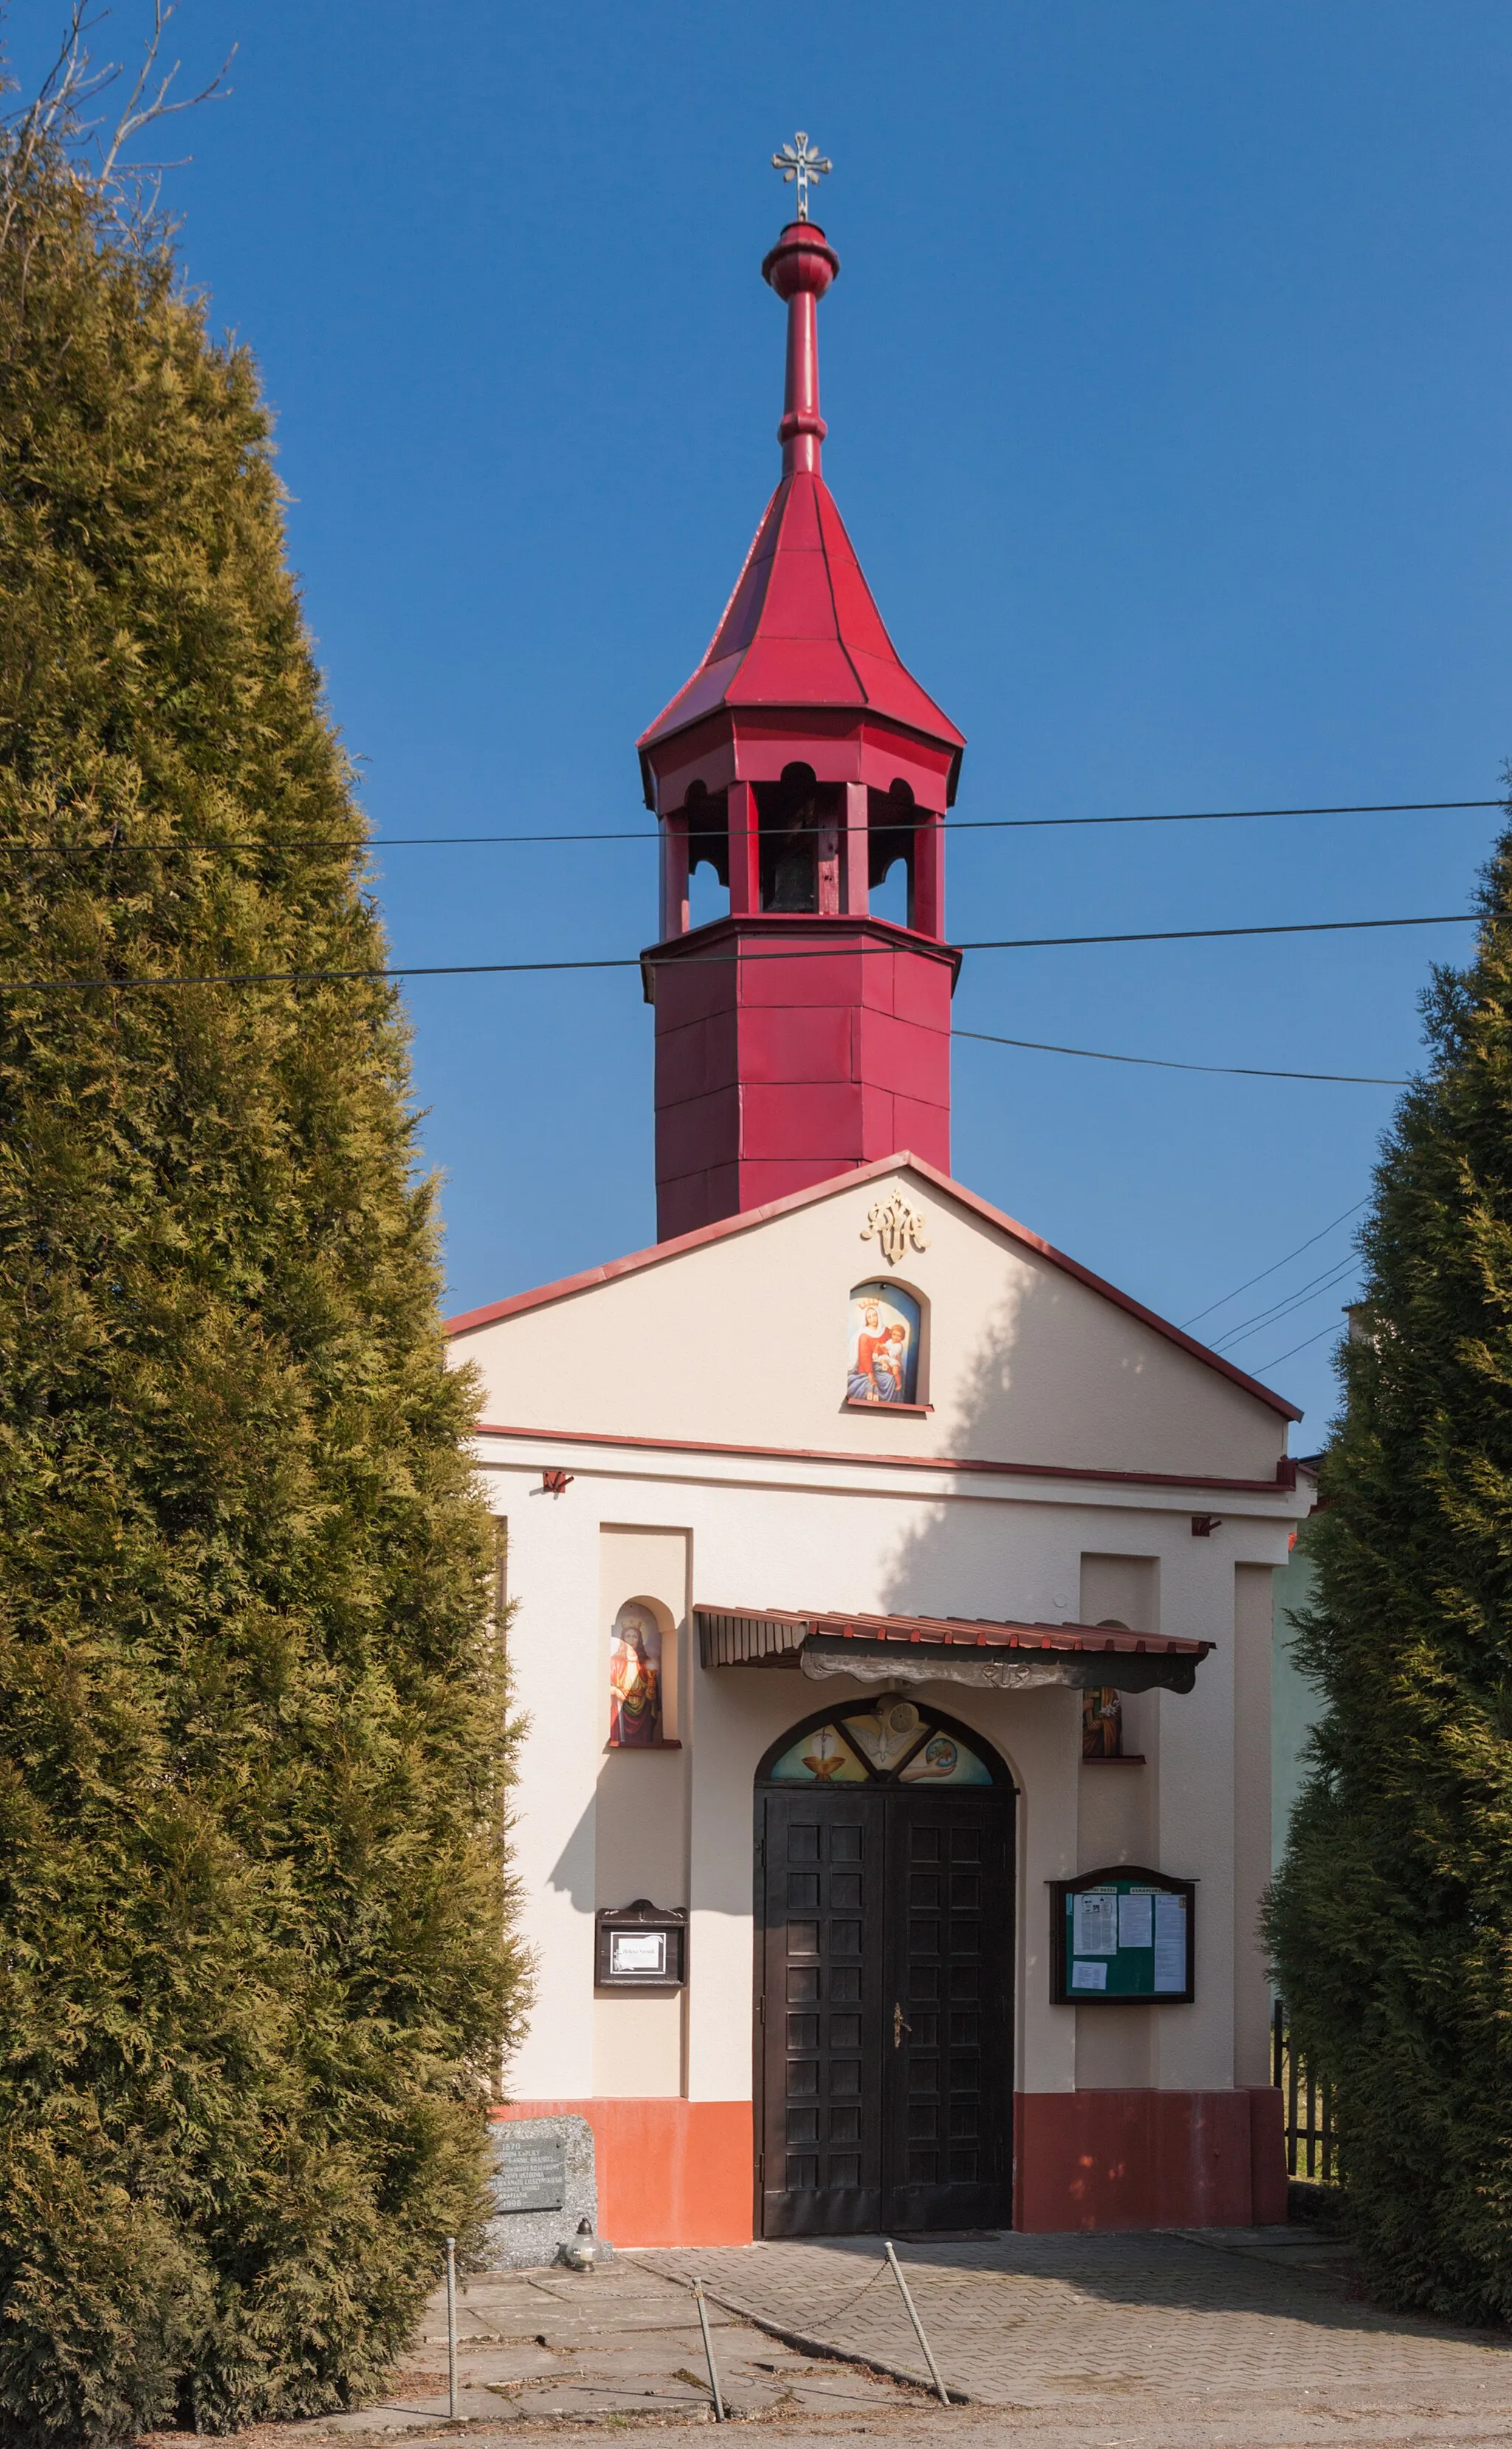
x: 1137, y: 1923
x: 637, y: 1951
x: 1094, y: 1927
x: 1170, y: 1942
x: 1089, y: 1976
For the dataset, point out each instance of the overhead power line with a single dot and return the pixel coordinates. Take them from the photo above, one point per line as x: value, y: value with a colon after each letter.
x: 1275, y: 1268
x: 1191, y: 934
x: 1262, y: 1366
x: 706, y: 961
x: 1164, y: 1063
x: 641, y: 833
x: 1312, y: 1291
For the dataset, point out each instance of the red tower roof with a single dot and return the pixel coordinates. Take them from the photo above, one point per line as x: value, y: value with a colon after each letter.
x: 802, y: 629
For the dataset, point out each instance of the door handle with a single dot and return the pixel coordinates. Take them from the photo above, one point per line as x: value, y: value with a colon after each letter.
x: 900, y: 2026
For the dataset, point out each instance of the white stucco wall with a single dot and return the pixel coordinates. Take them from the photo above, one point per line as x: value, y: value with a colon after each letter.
x: 742, y: 1482
x: 594, y: 1828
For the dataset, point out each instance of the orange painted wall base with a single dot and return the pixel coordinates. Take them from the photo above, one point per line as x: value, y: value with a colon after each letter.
x: 679, y: 2172
x: 1148, y: 2159
x: 669, y: 2171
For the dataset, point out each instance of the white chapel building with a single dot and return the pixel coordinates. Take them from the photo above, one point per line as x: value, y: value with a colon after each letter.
x: 894, y: 1805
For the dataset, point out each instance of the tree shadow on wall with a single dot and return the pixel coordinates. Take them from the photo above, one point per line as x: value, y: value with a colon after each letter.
x: 969, y: 1558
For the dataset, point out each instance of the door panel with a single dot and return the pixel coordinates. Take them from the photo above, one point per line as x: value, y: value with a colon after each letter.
x: 820, y: 2143
x: 883, y: 2026
x: 947, y: 2082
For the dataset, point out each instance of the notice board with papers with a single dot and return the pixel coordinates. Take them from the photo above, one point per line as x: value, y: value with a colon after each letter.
x: 1121, y: 1936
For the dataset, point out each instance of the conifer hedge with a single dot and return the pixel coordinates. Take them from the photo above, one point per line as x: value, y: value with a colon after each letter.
x: 1390, y: 1921
x: 255, y: 1975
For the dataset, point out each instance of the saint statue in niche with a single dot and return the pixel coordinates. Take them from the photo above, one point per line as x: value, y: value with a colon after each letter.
x: 1101, y: 1724
x: 882, y: 1360
x: 635, y: 1679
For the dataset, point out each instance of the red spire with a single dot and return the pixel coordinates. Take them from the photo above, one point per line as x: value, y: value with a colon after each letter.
x: 801, y: 267
x: 802, y: 629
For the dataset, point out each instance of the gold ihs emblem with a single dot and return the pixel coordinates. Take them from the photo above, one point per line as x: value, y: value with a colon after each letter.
x: 895, y: 1226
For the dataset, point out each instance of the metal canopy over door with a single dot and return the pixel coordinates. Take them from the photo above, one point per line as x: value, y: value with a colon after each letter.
x: 884, y: 1908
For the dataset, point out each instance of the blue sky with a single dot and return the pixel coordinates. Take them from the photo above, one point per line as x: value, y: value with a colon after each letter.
x: 1167, y: 378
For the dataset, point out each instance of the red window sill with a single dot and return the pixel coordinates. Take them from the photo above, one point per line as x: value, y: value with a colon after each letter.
x: 662, y: 1744
x: 915, y: 1411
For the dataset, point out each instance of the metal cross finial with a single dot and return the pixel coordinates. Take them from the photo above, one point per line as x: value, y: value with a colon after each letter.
x: 802, y: 161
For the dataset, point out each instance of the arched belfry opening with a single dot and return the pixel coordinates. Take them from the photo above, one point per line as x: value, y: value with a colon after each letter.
x: 884, y: 1951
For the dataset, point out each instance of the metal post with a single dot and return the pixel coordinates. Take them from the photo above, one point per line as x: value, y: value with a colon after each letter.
x: 1278, y: 2043
x: 918, y: 2328
x: 709, y: 2351
x: 451, y: 2328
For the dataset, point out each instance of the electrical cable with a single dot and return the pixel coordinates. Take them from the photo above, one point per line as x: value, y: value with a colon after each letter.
x: 1191, y: 935
x: 1164, y: 1063
x: 1299, y: 1299
x: 953, y: 826
x: 1259, y: 1370
x: 1258, y: 1318
x: 1266, y: 1317
x: 1225, y: 1297
x: 703, y: 960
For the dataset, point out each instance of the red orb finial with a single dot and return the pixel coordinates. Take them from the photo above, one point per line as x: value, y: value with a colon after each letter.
x: 802, y: 258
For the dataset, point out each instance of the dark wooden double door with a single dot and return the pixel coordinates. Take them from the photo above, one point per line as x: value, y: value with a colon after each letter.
x: 883, y: 2025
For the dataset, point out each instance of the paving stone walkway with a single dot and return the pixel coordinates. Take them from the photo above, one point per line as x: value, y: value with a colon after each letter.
x: 1218, y: 2339
x: 545, y: 2346
x: 1205, y: 2318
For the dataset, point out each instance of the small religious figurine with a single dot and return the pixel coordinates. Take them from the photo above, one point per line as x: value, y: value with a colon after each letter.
x: 1101, y: 1724
x: 635, y: 1680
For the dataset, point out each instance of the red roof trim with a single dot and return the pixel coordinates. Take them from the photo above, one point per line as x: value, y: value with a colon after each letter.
x: 470, y: 1320
x: 1283, y: 1484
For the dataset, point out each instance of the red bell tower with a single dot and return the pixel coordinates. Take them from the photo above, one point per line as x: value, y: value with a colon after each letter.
x: 800, y: 1035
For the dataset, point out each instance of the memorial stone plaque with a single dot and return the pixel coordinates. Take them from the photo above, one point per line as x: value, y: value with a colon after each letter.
x: 532, y: 2170
x: 543, y: 2187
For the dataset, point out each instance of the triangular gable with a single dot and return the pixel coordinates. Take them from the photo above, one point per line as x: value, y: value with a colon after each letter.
x: 660, y: 1254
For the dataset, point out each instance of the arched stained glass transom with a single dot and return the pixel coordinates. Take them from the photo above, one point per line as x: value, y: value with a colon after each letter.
x: 891, y: 1741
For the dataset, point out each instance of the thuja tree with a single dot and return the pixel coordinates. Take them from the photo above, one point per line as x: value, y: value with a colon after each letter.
x: 255, y: 1973
x: 1391, y: 1919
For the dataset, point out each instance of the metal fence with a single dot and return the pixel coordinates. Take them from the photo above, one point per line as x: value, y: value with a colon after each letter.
x: 1308, y: 2103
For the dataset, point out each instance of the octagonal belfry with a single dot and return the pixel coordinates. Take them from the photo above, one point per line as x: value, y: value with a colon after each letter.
x: 799, y: 1036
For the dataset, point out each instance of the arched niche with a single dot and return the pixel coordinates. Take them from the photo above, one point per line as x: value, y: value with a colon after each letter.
x: 799, y: 821
x: 643, y: 1695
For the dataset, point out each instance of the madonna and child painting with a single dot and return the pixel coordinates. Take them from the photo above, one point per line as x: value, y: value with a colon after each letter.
x: 882, y: 1361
